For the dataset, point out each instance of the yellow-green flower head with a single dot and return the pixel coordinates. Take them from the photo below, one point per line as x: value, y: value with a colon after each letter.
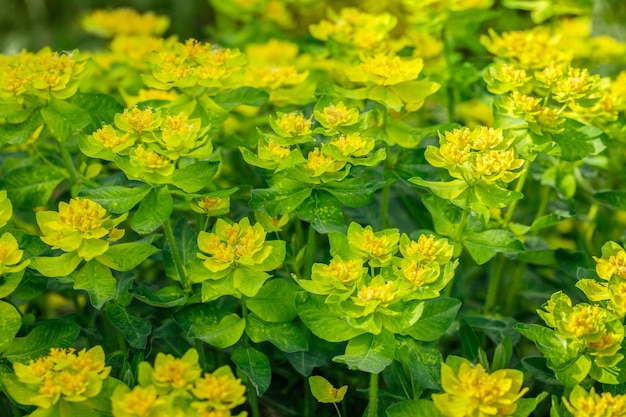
x: 63, y: 375
x: 274, y: 51
x: 136, y: 121
x: 612, y: 262
x: 271, y: 223
x: 212, y: 206
x: 377, y: 248
x: 273, y: 77
x: 576, y: 85
x: 169, y: 373
x: 133, y: 50
x: 182, y: 136
x: 318, y: 163
x: 539, y: 118
x: 150, y: 161
x: 269, y: 150
x: 337, y: 115
x: 502, y: 78
x: 530, y: 49
x: 385, y: 69
x: 191, y: 64
x: 427, y: 248
x: 549, y: 75
x: 10, y: 255
x: 220, y: 389
x: 108, y: 137
x: 6, y: 208
x: 496, y: 165
x: 291, y: 125
x: 590, y: 404
x: 236, y: 244
x: 79, y: 226
x: 425, y: 44
x: 339, y: 274
x: 377, y: 293
x: 419, y: 273
x: 43, y: 75
x: 352, y: 27
x: 124, y: 21
x: 470, y: 391
x: 353, y: 144
x: 140, y: 402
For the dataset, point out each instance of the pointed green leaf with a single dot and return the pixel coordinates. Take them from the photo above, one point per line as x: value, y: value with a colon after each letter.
x: 436, y: 319
x: 275, y: 301
x: 214, y: 326
x: 48, y: 334
x: 324, y: 392
x: 485, y: 245
x: 323, y: 211
x: 116, y: 199
x: 369, y: 353
x: 194, y: 177
x: 101, y: 108
x: 423, y: 362
x: 98, y: 281
x: 126, y: 256
x: 166, y: 297
x: 57, y: 266
x: 63, y: 118
x: 135, y: 329
x: 32, y: 186
x: 255, y: 365
x: 326, y: 321
x: 286, y: 335
x: 10, y: 322
x: 278, y: 201
x: 154, y: 209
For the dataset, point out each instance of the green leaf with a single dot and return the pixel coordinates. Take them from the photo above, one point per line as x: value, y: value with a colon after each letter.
x: 10, y: 322
x: 414, y: 408
x: 525, y: 406
x: 249, y: 281
x: 323, y: 211
x: 448, y: 190
x: 101, y: 108
x: 57, y: 266
x: 613, y: 199
x: 436, y: 319
x: 326, y: 321
x: 32, y: 186
x: 153, y: 211
x: 186, y: 242
x: 166, y: 297
x: 494, y: 196
x: 116, y: 199
x: 369, y: 353
x: 135, y: 329
x: 9, y: 282
x: 319, y: 354
x: 422, y: 362
x: 126, y: 256
x: 277, y: 200
x: 485, y: 245
x: 242, y: 95
x: 286, y: 336
x: 539, y: 370
x: 48, y: 334
x: 255, y: 365
x: 98, y: 281
x: 63, y: 118
x: 210, y: 113
x: 502, y: 355
x: 324, y: 392
x: 469, y: 341
x: 275, y: 301
x: 446, y: 216
x: 20, y: 133
x: 212, y: 325
x: 579, y: 140
x: 194, y: 177
x: 353, y: 192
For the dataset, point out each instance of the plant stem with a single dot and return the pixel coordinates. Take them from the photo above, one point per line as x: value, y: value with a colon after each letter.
x: 519, y: 186
x: 517, y: 272
x: 310, y: 252
x: 494, y: 282
x: 337, y: 408
x: 69, y: 165
x: 180, y: 268
x: 373, y: 397
x: 201, y: 354
x: 384, y: 206
x: 254, y: 401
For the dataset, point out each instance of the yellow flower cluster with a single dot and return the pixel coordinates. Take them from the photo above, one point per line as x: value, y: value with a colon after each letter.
x: 174, y: 386
x: 62, y: 375
x: 233, y: 245
x: 385, y: 69
x: 124, y: 21
x: 80, y: 226
x: 40, y: 76
x: 478, y: 155
x: 591, y: 404
x: 469, y: 390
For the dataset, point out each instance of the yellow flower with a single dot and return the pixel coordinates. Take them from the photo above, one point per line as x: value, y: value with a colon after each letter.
x: 275, y: 77
x: 64, y: 374
x: 170, y: 373
x: 274, y: 51
x: 291, y: 124
x: 614, y: 264
x: 212, y: 206
x: 110, y: 138
x: 237, y: 243
x: 590, y: 404
x: 353, y: 144
x: 138, y: 121
x: 220, y: 389
x: 472, y: 391
x: 419, y: 273
x: 585, y: 320
x: 427, y: 248
x: 124, y: 21
x: 140, y: 402
x: 345, y: 272
x: 6, y: 208
x: 318, y: 164
x: 336, y: 115
x: 576, y: 85
x: 133, y: 50
x: 384, y: 69
x: 377, y: 293
x: 10, y: 255
x: 150, y: 161
x: 79, y: 226
x: 377, y: 247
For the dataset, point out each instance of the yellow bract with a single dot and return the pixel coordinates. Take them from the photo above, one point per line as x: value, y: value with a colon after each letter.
x: 473, y: 392
x: 385, y: 69
x: 6, y: 208
x: 590, y: 404
x: 10, y: 255
x: 220, y: 391
x: 64, y: 374
x: 170, y: 373
x: 124, y: 21
x: 140, y: 402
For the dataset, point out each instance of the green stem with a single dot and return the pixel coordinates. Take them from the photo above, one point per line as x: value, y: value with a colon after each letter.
x: 201, y: 354
x: 516, y: 274
x: 543, y: 201
x: 180, y: 267
x: 310, y: 252
x: 448, y: 52
x: 590, y: 226
x: 495, y: 277
x: 252, y: 397
x: 384, y: 206
x: 373, y: 396
x: 337, y: 408
x: 69, y: 165
x: 519, y: 186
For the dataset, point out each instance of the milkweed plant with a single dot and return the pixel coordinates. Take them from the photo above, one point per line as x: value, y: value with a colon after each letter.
x: 400, y: 208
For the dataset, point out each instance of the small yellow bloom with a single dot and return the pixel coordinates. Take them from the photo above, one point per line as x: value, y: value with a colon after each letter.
x: 292, y: 124
x: 138, y: 121
x: 585, y: 320
x: 347, y: 272
x: 170, y: 373
x: 124, y: 21
x: 614, y: 264
x: 590, y: 404
x: 6, y: 208
x: 471, y: 391
x: 133, y: 50
x: 377, y: 293
x: 384, y: 69
x: 353, y: 144
x: 275, y: 77
x: 318, y: 164
x: 220, y: 389
x: 377, y: 247
x: 150, y: 161
x: 274, y: 51
x: 140, y: 402
x: 337, y: 115
x: 10, y: 255
x: 427, y: 248
x: 110, y: 138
